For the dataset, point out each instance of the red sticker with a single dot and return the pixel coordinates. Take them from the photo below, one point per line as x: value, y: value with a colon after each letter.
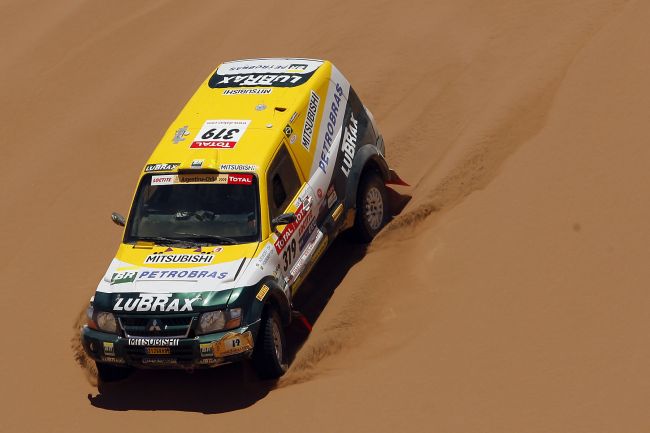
x: 290, y: 229
x: 213, y: 144
x: 240, y: 179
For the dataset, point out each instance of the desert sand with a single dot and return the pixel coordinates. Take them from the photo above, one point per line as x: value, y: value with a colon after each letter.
x: 510, y: 294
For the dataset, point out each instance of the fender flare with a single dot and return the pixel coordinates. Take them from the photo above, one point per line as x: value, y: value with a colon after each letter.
x: 275, y: 297
x: 366, y: 158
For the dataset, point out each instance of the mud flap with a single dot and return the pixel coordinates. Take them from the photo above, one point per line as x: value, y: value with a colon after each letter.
x: 394, y: 179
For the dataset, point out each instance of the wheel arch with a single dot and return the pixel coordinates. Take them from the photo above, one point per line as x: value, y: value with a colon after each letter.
x: 366, y: 159
x: 278, y: 300
x: 254, y: 307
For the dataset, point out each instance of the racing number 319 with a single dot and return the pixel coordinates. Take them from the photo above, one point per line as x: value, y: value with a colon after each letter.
x: 289, y: 254
x: 224, y: 134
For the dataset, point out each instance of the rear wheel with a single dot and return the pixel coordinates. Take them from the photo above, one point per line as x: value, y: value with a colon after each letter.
x: 111, y: 373
x: 269, y: 355
x: 372, y: 207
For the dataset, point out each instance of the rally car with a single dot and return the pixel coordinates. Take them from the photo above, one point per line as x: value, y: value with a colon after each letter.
x: 266, y: 164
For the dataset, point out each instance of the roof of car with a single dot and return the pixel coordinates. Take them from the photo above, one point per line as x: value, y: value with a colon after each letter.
x: 238, y: 114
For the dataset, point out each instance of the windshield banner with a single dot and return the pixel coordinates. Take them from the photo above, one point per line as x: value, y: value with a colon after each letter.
x: 174, y: 179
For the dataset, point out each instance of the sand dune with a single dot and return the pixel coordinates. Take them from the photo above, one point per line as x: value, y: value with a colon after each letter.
x: 509, y: 295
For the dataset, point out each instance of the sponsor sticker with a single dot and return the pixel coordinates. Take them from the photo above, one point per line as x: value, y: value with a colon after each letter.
x: 275, y: 80
x: 124, y: 277
x: 220, y: 134
x: 330, y: 132
x: 288, y: 130
x: 240, y: 179
x: 108, y: 349
x: 180, y: 134
x: 331, y: 197
x: 155, y: 302
x: 247, y: 91
x: 166, y: 275
x: 263, y: 291
x: 290, y: 229
x: 259, y: 66
x: 302, y: 261
x: 232, y: 344
x: 264, y: 257
x: 197, y: 163
x: 264, y: 72
x: 167, y: 179
x: 293, y: 116
x: 349, y: 146
x: 159, y: 258
x: 173, y: 179
x: 237, y: 167
x: 306, y: 229
x: 169, y: 166
x: 206, y: 349
x: 310, y: 120
x: 153, y: 341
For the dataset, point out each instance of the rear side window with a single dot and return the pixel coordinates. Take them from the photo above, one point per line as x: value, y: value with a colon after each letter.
x: 283, y: 182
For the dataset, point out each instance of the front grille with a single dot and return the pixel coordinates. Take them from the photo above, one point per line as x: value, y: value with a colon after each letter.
x: 178, y: 326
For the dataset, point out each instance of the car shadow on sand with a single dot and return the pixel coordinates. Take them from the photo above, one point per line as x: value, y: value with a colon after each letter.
x: 235, y: 386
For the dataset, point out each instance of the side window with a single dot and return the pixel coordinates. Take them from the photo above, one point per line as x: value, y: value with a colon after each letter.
x: 283, y: 182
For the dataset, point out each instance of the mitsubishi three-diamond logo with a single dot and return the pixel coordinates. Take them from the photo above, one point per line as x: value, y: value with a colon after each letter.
x: 154, y: 326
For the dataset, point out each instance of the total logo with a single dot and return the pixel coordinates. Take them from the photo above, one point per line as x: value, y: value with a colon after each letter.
x: 155, y: 302
x: 240, y: 179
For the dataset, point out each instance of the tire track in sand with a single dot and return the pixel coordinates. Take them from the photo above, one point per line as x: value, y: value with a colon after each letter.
x: 516, y: 114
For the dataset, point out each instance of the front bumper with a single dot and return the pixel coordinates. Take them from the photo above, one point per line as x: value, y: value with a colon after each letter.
x: 204, y: 351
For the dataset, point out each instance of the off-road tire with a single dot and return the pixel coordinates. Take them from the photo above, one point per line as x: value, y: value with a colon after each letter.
x: 110, y: 373
x: 270, y: 353
x: 372, y: 207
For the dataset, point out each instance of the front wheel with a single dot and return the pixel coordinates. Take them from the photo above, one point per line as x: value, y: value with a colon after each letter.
x: 269, y: 355
x: 372, y: 207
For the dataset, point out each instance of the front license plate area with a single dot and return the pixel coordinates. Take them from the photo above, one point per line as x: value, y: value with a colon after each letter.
x: 158, y: 350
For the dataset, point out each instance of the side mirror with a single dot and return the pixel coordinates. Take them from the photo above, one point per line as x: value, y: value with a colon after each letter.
x: 283, y: 219
x: 118, y: 219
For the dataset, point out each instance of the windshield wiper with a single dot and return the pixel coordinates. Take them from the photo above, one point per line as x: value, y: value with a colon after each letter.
x: 161, y: 240
x: 224, y: 240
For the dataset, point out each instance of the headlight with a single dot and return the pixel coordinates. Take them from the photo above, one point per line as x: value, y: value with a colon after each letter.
x: 214, y: 321
x: 106, y: 322
x: 90, y: 321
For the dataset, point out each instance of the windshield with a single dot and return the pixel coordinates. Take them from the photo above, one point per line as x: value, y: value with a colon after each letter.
x: 196, y: 208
